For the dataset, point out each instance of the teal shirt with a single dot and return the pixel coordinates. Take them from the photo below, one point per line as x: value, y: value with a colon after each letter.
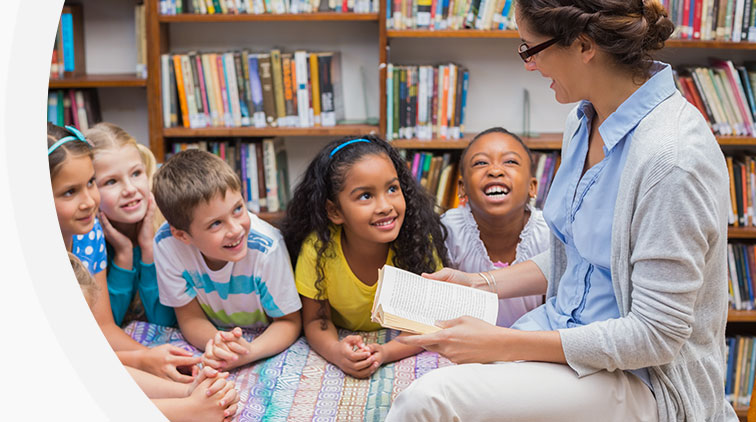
x: 123, y: 284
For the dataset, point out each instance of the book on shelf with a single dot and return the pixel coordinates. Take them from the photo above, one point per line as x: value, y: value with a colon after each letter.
x: 258, y: 7
x: 723, y: 93
x: 262, y: 167
x: 407, y: 302
x: 742, y: 171
x: 740, y: 369
x: 77, y: 107
x: 713, y: 20
x: 426, y: 102
x: 446, y: 14
x: 68, y: 57
x: 245, y: 89
x: 140, y: 32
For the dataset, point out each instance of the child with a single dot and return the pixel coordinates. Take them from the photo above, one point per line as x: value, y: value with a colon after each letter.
x: 219, y: 265
x: 177, y: 401
x: 76, y: 200
x: 496, y: 227
x: 357, y: 209
x: 123, y: 172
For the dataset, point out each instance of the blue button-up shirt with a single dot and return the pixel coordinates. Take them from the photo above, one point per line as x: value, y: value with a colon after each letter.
x: 580, y: 209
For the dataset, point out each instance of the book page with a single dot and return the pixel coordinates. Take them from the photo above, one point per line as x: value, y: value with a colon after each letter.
x: 410, y: 296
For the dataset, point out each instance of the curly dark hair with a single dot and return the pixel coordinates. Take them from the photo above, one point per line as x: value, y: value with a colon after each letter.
x: 325, y: 178
x: 627, y: 29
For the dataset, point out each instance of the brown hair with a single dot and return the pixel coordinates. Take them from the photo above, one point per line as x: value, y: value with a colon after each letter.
x: 89, y: 288
x: 626, y: 29
x: 188, y: 178
x: 61, y: 154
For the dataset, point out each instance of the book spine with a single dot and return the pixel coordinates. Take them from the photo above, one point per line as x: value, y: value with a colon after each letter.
x: 242, y: 89
x: 165, y: 88
x: 315, y: 83
x: 271, y: 182
x: 203, y: 92
x: 181, y: 93
x: 186, y: 69
x: 67, y: 31
x: 223, y: 88
x: 278, y: 88
x: 303, y: 96
x: 266, y: 82
x: 256, y: 92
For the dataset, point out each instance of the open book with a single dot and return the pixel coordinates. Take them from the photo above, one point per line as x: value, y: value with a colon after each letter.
x: 407, y: 302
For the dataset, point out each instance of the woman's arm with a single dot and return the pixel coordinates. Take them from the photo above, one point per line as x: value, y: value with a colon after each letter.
x: 523, y: 279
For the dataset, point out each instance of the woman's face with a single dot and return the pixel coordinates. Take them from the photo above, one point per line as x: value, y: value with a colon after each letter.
x: 561, y: 65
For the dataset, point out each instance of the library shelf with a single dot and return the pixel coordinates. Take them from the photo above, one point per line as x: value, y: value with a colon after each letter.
x: 451, y: 33
x: 273, y: 218
x: 725, y: 45
x: 741, y: 316
x: 339, y: 130
x: 96, y: 80
x: 544, y: 141
x: 742, y: 412
x: 741, y: 232
x: 736, y: 140
x: 284, y: 17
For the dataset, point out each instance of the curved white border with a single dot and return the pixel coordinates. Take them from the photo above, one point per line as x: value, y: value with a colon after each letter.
x: 55, y: 360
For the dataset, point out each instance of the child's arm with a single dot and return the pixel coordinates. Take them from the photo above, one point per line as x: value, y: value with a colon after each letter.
x: 214, y: 399
x: 392, y: 351
x: 279, y: 335
x: 155, y: 387
x: 194, y: 325
x: 116, y: 337
x: 349, y: 354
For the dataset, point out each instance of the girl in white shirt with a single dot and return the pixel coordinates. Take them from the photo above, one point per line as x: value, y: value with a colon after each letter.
x: 496, y: 227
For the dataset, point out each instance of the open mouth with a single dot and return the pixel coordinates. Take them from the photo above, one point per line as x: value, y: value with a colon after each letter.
x: 384, y: 222
x: 132, y: 204
x: 496, y: 191
x: 233, y: 245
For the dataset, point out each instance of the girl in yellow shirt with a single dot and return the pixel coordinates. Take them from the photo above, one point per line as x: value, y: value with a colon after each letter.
x: 357, y: 209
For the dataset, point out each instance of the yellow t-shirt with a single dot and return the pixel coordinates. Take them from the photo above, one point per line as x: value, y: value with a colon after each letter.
x: 350, y: 299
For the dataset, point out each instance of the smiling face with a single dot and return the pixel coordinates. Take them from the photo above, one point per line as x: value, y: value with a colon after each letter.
x: 123, y: 184
x: 561, y: 65
x: 497, y: 176
x: 76, y: 196
x: 219, y: 229
x: 371, y: 205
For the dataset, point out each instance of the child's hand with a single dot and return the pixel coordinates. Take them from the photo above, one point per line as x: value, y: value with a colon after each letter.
x: 202, y: 375
x: 165, y: 361
x: 354, y: 357
x: 120, y: 242
x: 225, y: 349
x: 214, y: 399
x: 146, y: 230
x: 378, y: 354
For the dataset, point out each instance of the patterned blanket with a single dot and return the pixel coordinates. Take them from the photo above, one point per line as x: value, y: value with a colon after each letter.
x: 299, y: 385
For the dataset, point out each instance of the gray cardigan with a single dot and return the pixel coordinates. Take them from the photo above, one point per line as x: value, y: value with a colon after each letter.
x: 669, y: 267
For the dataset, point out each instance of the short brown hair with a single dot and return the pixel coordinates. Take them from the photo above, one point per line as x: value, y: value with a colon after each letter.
x: 188, y: 178
x: 89, y: 288
x: 628, y: 30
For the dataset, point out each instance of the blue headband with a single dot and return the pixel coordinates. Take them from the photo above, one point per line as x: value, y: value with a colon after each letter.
x: 353, y: 141
x: 77, y: 136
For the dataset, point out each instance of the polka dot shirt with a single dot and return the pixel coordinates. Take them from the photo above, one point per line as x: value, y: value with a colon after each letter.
x: 90, y: 249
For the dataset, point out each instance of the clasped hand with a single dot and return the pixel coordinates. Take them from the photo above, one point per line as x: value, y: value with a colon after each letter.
x: 226, y: 349
x: 356, y: 358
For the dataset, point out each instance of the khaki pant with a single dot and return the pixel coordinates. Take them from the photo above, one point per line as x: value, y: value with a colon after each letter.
x: 524, y: 391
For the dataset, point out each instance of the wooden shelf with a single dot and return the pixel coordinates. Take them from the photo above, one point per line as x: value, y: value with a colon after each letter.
x: 342, y: 130
x: 451, y: 33
x: 742, y: 412
x: 273, y: 218
x: 710, y: 44
x: 741, y: 316
x: 741, y: 232
x: 114, y: 80
x: 291, y: 17
x: 737, y: 140
x: 546, y: 141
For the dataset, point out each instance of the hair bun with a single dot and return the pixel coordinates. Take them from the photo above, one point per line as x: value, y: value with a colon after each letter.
x: 660, y: 27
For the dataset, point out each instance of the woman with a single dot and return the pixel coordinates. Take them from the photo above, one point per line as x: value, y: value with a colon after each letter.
x: 636, y: 278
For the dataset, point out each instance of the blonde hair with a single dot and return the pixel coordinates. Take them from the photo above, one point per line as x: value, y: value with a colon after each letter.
x: 106, y: 136
x: 89, y: 288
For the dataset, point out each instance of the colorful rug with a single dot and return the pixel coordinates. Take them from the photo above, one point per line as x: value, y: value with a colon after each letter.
x: 299, y: 385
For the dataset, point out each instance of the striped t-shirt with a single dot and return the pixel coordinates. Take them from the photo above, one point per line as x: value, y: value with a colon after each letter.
x: 244, y: 293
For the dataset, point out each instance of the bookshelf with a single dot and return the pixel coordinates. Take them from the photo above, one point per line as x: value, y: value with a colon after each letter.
x: 106, y: 80
x: 284, y: 17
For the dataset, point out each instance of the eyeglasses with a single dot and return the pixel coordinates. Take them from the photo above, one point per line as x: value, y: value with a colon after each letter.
x: 526, y: 53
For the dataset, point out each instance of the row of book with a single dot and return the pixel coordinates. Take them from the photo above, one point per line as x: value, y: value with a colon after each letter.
x: 741, y: 266
x: 261, y: 166
x: 64, y: 51
x: 257, y: 7
x: 426, y: 102
x: 450, y: 14
x: 741, y: 365
x: 438, y: 173
x: 77, y: 107
x: 742, y: 169
x: 721, y: 20
x: 240, y: 88
x: 723, y: 93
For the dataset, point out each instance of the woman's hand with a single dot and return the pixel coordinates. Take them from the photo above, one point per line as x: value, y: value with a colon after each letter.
x: 464, y: 340
x: 146, y: 232
x: 458, y: 277
x: 124, y: 254
x: 165, y: 361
